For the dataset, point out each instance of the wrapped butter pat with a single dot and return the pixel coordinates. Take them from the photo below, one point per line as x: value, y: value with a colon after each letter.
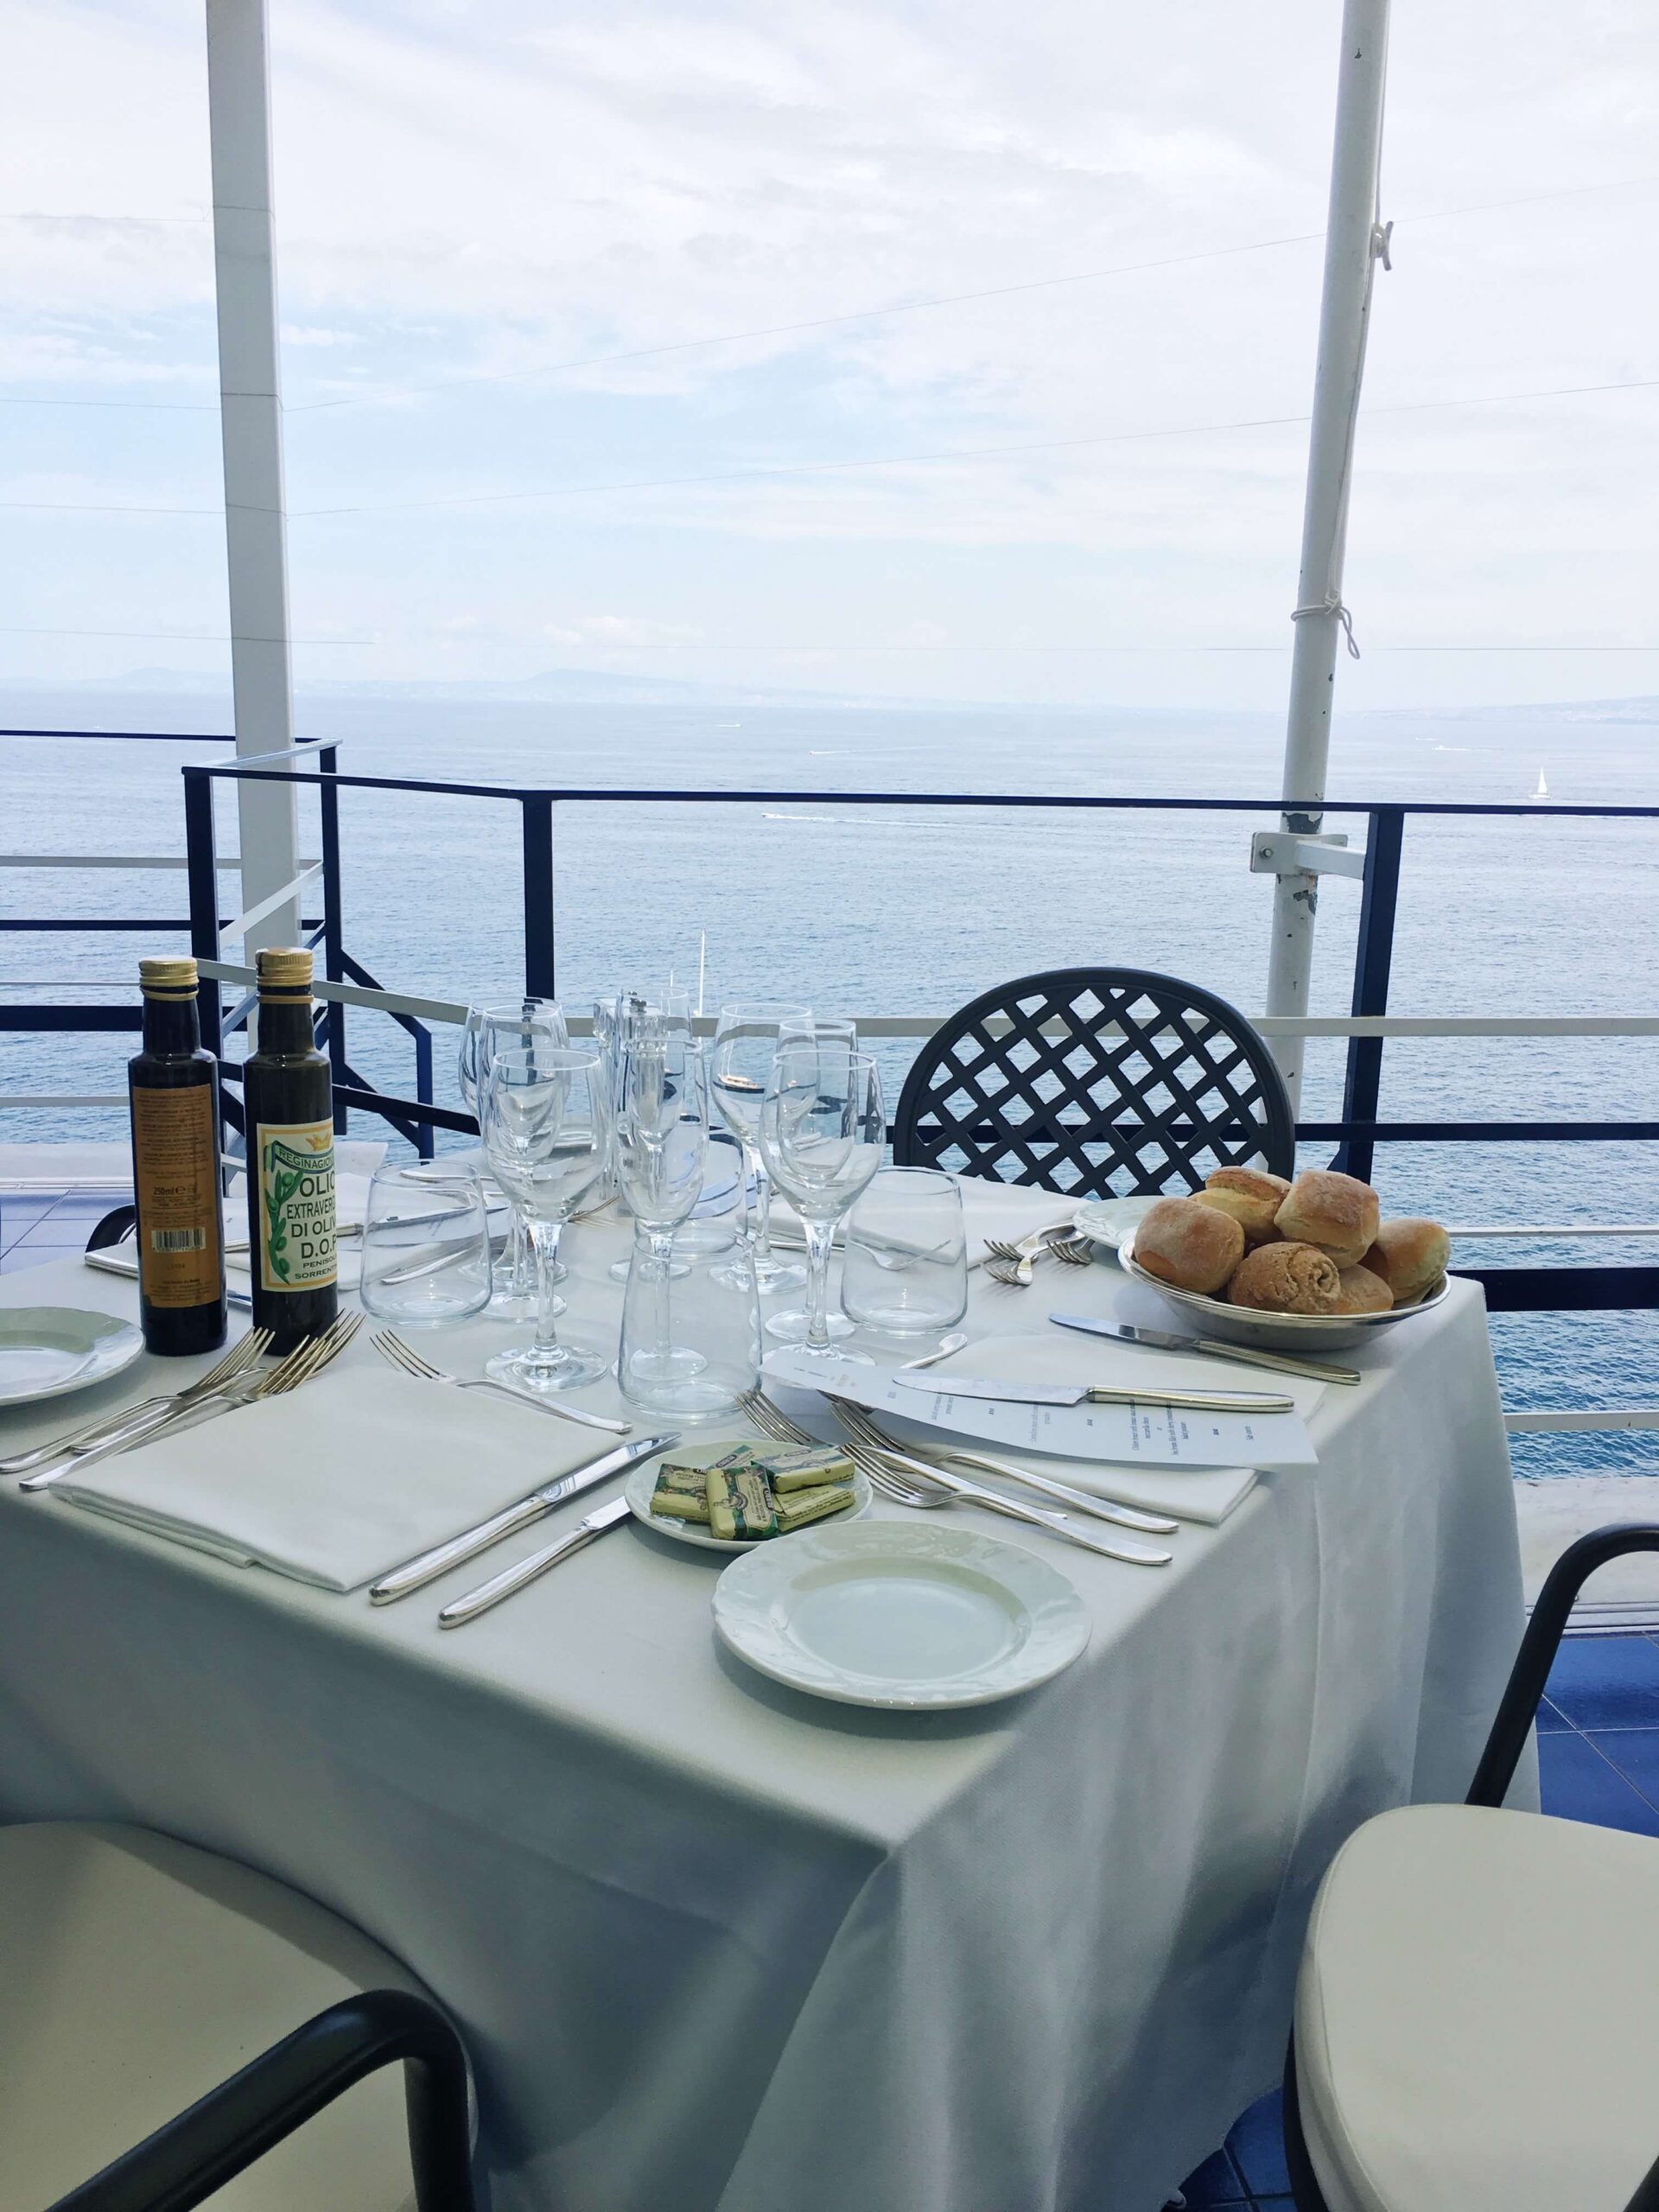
x: 681, y: 1492
x: 807, y: 1466
x: 798, y: 1507
x: 740, y: 1504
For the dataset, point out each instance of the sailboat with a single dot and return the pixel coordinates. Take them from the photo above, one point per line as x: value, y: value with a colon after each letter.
x: 1542, y: 791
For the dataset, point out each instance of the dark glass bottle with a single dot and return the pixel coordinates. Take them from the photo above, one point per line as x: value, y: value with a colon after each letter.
x: 289, y: 1104
x: 173, y: 1094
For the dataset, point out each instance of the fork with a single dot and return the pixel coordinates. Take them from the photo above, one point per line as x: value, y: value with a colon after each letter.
x: 307, y: 1359
x: 1012, y: 1262
x: 147, y: 1412
x: 859, y: 1424
x: 392, y: 1349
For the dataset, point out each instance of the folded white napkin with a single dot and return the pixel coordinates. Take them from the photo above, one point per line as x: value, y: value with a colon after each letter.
x: 1206, y: 1494
x: 1009, y: 1211
x: 337, y: 1481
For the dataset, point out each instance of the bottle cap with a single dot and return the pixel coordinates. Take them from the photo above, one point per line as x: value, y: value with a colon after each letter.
x: 171, y: 978
x: 286, y: 970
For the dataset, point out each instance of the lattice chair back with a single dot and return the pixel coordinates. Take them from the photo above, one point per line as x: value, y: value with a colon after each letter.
x: 1103, y: 1082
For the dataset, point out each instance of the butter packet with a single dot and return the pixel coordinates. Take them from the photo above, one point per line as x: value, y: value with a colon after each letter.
x: 806, y: 1466
x: 740, y: 1503
x: 681, y: 1492
x: 800, y: 1507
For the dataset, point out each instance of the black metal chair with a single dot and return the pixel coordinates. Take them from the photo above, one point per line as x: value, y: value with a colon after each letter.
x: 1098, y: 1082
x: 1477, y: 2009
x: 175, y: 2027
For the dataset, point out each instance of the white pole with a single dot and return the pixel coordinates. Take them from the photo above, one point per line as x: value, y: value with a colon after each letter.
x: 1354, y: 240
x: 245, y: 266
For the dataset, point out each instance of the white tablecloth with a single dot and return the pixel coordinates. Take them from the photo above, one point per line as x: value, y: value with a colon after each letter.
x: 715, y: 1945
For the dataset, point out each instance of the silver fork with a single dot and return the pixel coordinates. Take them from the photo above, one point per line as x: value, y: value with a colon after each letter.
x: 858, y: 1422
x: 241, y: 1355
x: 392, y: 1349
x: 930, y: 1488
x: 306, y: 1360
x: 1012, y: 1262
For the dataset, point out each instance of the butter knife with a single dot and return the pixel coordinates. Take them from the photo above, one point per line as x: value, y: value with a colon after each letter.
x: 502, y: 1585
x: 1093, y: 1393
x: 416, y: 1572
x: 1315, y: 1370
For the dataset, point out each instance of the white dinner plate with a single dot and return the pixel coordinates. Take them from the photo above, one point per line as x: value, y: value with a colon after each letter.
x: 47, y: 1350
x: 643, y: 1481
x: 898, y: 1614
x: 1109, y: 1221
x: 1306, y: 1332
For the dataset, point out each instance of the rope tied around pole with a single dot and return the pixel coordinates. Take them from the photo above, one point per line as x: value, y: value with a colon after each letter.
x: 1330, y: 604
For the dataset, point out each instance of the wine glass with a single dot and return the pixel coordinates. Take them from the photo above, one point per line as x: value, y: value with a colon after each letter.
x: 618, y: 1021
x: 662, y: 1130
x: 549, y: 1128
x: 747, y: 1037
x: 823, y: 1130
x: 485, y: 1032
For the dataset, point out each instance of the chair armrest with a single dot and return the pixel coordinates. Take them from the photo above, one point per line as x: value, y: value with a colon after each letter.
x: 1518, y: 1708
x: 190, y: 2158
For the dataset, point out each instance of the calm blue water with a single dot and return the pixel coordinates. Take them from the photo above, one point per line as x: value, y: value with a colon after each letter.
x: 913, y: 911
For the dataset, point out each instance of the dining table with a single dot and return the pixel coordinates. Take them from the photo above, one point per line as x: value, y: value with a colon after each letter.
x: 715, y: 1945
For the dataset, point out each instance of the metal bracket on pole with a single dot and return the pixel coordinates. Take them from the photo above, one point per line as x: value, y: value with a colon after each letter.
x: 1282, y: 852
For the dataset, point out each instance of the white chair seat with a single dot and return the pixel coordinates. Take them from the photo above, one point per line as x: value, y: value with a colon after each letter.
x: 1478, y: 2015
x: 135, y: 1974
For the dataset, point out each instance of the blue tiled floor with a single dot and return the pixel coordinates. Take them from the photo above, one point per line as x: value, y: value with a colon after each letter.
x: 1598, y: 1761
x: 35, y: 1227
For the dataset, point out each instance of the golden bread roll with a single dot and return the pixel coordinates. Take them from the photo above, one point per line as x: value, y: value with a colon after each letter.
x: 1192, y: 1247
x: 1286, y: 1278
x: 1336, y: 1212
x: 1361, y: 1292
x: 1252, y: 1197
x: 1411, y: 1256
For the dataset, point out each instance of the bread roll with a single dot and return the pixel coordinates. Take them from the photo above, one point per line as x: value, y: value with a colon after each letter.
x: 1336, y: 1212
x: 1286, y: 1278
x: 1411, y: 1256
x: 1361, y: 1292
x: 1252, y: 1197
x: 1192, y: 1247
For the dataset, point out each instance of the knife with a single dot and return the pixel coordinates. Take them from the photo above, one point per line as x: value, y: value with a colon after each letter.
x: 1316, y: 1370
x: 514, y: 1578
x: 1093, y: 1393
x: 429, y: 1564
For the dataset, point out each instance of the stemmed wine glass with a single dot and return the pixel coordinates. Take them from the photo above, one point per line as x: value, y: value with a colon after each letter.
x: 487, y: 1031
x: 618, y: 1021
x: 549, y: 1128
x: 823, y: 1130
x: 662, y: 1130
x: 748, y: 1039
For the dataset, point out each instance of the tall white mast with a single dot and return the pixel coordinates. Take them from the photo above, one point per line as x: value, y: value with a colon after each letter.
x: 244, y: 263
x: 1355, y: 239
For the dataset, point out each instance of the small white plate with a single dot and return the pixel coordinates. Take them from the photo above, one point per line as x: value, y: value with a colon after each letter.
x: 899, y: 1615
x: 45, y: 1350
x: 1109, y: 1221
x: 1304, y: 1332
x: 643, y: 1481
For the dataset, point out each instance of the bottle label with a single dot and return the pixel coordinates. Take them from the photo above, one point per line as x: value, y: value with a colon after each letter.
x: 297, y: 1204
x: 175, y: 1177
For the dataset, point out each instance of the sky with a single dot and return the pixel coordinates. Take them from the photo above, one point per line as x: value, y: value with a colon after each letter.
x: 914, y: 350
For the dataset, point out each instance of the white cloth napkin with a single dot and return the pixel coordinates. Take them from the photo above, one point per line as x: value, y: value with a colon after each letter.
x: 337, y: 1481
x: 1009, y: 1211
x: 1207, y: 1494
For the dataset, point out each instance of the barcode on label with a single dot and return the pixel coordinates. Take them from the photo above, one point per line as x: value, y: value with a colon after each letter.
x: 178, y: 1240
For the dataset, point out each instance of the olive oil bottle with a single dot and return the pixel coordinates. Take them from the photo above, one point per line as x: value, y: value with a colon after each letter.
x: 173, y: 1093
x: 289, y: 1104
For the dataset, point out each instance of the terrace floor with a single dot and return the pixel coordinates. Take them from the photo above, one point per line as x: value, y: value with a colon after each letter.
x: 1597, y: 1742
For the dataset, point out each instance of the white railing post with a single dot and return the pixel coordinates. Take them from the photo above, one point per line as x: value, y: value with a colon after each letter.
x: 1354, y: 240
x: 245, y: 267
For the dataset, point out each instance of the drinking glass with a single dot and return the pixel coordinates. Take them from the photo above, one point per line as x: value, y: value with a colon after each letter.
x: 661, y: 1143
x: 712, y: 1313
x: 425, y: 1246
x: 904, y: 1267
x: 619, y: 1019
x: 483, y: 1033
x: 549, y: 1130
x: 746, y: 1040
x: 823, y: 1132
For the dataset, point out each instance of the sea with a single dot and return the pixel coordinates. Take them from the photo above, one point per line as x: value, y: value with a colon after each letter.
x: 910, y: 909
